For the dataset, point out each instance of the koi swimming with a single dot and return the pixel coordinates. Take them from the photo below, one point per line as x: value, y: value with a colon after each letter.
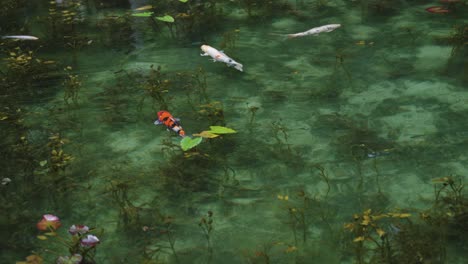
x: 165, y: 118
x: 218, y: 55
x: 22, y: 37
x: 315, y: 31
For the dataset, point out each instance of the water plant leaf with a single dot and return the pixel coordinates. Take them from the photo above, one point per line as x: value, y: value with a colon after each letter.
x: 166, y: 18
x: 146, y: 7
x: 50, y: 234
x: 41, y: 237
x: 43, y: 163
x: 221, y: 130
x: 183, y: 1
x: 143, y: 14
x: 188, y: 143
x: 206, y: 134
x: 380, y: 232
x: 358, y: 239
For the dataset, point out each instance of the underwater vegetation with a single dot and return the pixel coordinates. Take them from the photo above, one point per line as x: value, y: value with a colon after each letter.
x: 290, y: 162
x: 81, y: 246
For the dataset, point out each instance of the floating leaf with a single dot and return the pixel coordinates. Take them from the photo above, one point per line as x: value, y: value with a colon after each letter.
x: 183, y: 1
x: 143, y: 14
x: 41, y: 237
x: 188, y: 143
x: 206, y: 134
x: 221, y: 130
x: 166, y: 18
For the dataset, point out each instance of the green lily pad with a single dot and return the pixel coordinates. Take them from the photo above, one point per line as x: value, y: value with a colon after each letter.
x: 142, y: 14
x: 221, y: 130
x: 166, y: 18
x: 188, y: 143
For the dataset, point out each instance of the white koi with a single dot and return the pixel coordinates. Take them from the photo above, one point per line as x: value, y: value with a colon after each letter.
x: 315, y: 31
x: 218, y: 55
x: 22, y: 37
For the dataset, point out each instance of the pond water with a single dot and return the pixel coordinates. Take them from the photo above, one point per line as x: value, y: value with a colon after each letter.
x: 350, y: 145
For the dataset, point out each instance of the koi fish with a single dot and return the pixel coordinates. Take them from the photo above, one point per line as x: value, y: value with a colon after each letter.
x: 218, y: 55
x: 165, y: 118
x: 22, y: 37
x: 315, y: 31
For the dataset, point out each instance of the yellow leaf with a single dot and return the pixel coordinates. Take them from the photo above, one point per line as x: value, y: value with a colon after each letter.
x: 380, y: 232
x: 291, y: 249
x: 286, y: 197
x: 42, y: 237
x: 358, y: 239
x: 349, y: 226
x: 146, y: 7
x: 206, y: 134
x: 280, y: 197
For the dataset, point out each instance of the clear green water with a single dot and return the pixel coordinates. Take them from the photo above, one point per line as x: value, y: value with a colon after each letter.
x: 359, y: 118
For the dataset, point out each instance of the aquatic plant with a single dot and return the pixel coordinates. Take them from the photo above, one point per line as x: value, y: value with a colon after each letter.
x: 213, y: 112
x: 450, y: 208
x: 129, y: 214
x: 81, y: 246
x: 229, y: 39
x: 58, y: 160
x: 459, y: 39
x: 368, y: 227
x: 297, y: 216
x: 72, y: 85
x: 206, y: 225
x: 184, y: 19
x: 22, y: 70
x: 160, y: 246
x: 264, y: 8
x: 63, y: 19
x: 157, y: 87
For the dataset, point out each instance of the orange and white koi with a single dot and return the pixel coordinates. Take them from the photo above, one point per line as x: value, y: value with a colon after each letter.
x: 315, y: 31
x: 218, y: 55
x: 165, y: 118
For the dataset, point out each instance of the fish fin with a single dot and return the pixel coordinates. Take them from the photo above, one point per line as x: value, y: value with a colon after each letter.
x: 177, y: 120
x: 157, y: 122
x: 204, y: 54
x: 214, y: 60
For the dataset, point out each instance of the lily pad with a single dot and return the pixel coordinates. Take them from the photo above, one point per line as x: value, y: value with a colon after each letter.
x: 221, y: 130
x: 206, y: 134
x: 166, y: 18
x: 142, y: 14
x: 188, y: 143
